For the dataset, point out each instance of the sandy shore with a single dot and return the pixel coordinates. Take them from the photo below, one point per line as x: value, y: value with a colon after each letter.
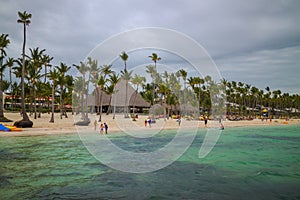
x: 41, y: 126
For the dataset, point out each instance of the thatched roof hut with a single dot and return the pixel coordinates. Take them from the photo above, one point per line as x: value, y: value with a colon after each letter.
x: 118, y: 98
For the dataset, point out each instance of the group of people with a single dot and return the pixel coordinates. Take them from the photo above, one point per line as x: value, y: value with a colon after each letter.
x: 103, y: 127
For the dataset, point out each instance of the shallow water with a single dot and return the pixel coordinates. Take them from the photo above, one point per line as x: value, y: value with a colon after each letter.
x: 246, y: 163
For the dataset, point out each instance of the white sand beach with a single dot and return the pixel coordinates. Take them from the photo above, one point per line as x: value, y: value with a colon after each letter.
x: 42, y: 126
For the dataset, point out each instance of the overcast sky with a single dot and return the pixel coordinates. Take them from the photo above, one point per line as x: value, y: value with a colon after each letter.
x: 256, y: 42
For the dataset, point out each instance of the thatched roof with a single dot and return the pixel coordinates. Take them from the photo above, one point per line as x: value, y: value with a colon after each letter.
x: 118, y: 99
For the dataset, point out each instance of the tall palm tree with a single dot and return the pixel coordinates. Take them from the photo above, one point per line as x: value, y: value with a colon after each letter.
x: 62, y: 70
x: 53, y: 76
x: 126, y: 75
x: 24, y: 18
x: 4, y: 41
x: 183, y: 74
x: 154, y: 57
x: 124, y: 57
x: 81, y: 85
x: 101, y: 85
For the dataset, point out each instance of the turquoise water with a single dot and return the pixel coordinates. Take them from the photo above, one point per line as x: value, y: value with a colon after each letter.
x: 246, y: 163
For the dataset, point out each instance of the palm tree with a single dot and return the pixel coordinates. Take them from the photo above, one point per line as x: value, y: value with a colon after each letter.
x: 183, y: 74
x: 113, y: 79
x: 153, y: 73
x: 101, y: 85
x: 34, y: 75
x: 10, y: 63
x: 4, y: 41
x: 126, y: 75
x: 124, y: 57
x: 46, y: 59
x: 24, y: 18
x: 138, y: 81
x: 53, y: 76
x: 62, y: 70
x: 154, y: 57
x: 35, y: 72
x: 106, y: 71
x: 80, y: 84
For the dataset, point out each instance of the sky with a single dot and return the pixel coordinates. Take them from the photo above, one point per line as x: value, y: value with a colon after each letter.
x: 256, y: 42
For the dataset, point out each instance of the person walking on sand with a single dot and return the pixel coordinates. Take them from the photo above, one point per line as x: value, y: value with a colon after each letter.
x: 105, y: 127
x: 146, y: 122
x: 149, y: 122
x: 205, y: 121
x: 101, y: 128
x: 95, y: 124
x: 179, y: 121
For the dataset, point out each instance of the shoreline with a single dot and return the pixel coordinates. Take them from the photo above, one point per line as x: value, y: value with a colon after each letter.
x: 41, y: 126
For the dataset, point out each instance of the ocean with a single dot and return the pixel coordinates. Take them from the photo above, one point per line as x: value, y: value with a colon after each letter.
x: 246, y: 163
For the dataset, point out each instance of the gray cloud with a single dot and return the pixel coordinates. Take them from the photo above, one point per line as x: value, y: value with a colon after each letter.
x: 238, y: 34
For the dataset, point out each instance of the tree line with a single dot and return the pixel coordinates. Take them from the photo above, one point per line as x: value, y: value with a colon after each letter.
x: 38, y: 79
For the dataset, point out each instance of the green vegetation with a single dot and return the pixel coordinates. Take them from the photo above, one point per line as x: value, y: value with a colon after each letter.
x: 39, y: 90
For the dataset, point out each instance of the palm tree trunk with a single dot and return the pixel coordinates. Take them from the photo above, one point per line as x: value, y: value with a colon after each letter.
x: 10, y: 86
x: 24, y: 114
x: 52, y: 113
x: 109, y: 106
x: 126, y: 100
x: 61, y: 102
x: 34, y: 103
x: 100, y: 115
x: 1, y: 92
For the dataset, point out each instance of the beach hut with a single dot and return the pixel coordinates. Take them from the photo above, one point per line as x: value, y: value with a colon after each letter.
x: 117, y: 100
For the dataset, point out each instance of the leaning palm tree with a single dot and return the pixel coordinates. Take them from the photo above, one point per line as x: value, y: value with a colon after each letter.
x: 53, y: 76
x: 124, y: 57
x: 24, y: 18
x: 4, y: 41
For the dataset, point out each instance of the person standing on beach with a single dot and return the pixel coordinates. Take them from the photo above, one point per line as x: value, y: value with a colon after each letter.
x: 146, y: 122
x: 149, y: 122
x: 179, y: 121
x: 101, y: 128
x: 205, y: 121
x: 95, y: 124
x: 105, y: 127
